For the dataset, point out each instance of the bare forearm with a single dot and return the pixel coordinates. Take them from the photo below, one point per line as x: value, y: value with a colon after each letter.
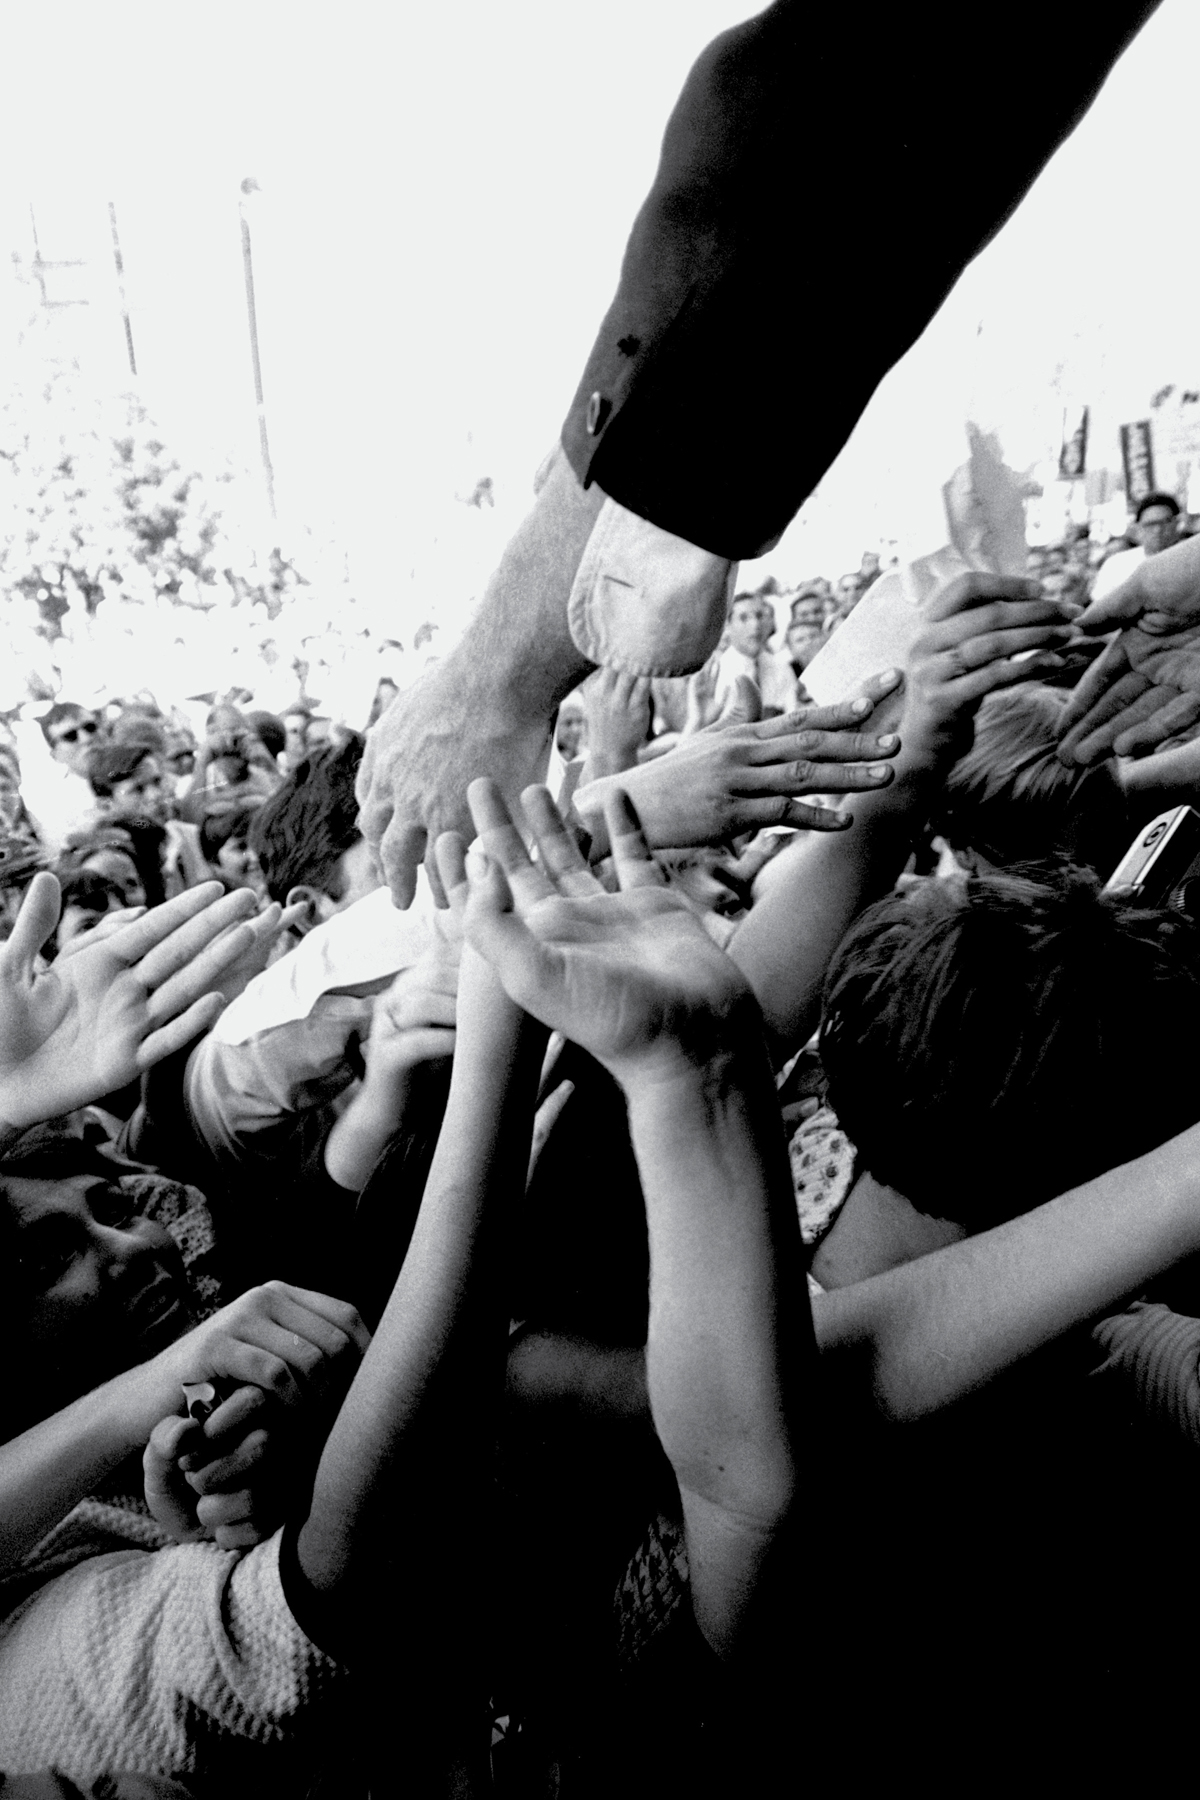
x: 729, y: 1350
x: 436, y: 1362
x: 923, y: 1336
x: 363, y: 1131
x: 518, y: 648
x: 49, y: 1468
x: 818, y: 887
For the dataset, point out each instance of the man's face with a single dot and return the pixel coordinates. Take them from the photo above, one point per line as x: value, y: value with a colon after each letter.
x: 748, y: 629
x: 70, y: 741
x: 146, y: 792
x: 119, y: 867
x: 1158, y: 526
x: 803, y: 641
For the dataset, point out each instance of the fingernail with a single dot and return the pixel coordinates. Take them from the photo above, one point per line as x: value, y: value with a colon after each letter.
x: 878, y: 770
x: 843, y: 819
x: 860, y: 707
x: 888, y: 741
x: 889, y: 676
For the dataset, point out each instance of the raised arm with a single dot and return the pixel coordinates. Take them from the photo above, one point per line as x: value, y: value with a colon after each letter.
x: 411, y: 1442
x: 924, y: 1335
x: 815, y: 888
x: 635, y: 980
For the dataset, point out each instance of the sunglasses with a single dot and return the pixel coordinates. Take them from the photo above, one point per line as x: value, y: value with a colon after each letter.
x: 73, y: 732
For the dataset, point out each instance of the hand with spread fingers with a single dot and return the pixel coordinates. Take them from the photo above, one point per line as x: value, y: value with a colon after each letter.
x: 119, y: 1004
x: 974, y: 627
x: 1145, y: 688
x: 741, y: 773
x: 632, y: 977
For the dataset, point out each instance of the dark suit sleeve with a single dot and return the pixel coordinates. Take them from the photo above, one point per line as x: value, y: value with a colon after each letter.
x: 825, y: 177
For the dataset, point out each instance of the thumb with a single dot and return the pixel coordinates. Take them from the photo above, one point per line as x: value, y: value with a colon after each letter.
x: 1121, y: 607
x: 744, y: 705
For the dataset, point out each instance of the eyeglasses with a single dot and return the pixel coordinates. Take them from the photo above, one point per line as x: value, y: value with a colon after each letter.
x: 86, y: 728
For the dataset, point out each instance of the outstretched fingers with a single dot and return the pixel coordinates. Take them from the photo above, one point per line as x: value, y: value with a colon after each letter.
x: 561, y: 858
x: 635, y: 866
x: 35, y: 921
x: 1178, y: 714
x: 192, y: 932
x: 977, y: 588
x: 504, y: 845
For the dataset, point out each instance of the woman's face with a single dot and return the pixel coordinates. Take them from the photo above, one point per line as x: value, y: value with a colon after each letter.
x: 239, y: 864
x: 122, y: 871
x: 92, y: 1287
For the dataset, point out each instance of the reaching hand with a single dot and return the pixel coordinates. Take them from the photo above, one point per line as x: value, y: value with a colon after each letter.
x: 413, y: 1020
x: 739, y: 774
x: 1146, y: 686
x: 291, y: 1343
x: 120, y: 1003
x: 618, y: 709
x: 632, y: 977
x: 974, y: 627
x: 412, y: 781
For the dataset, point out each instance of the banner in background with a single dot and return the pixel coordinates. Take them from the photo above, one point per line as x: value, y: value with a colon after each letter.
x: 1072, y: 458
x: 1137, y: 457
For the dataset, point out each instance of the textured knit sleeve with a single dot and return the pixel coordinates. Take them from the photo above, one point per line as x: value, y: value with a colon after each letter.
x: 1151, y: 1363
x: 156, y: 1662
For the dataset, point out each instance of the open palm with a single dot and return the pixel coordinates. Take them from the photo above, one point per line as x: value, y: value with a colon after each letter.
x: 89, y: 1024
x: 632, y: 977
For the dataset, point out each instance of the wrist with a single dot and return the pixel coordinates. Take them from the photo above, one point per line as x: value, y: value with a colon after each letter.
x: 699, y: 1071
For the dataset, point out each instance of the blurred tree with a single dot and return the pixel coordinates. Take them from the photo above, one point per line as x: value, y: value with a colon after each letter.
x: 94, y: 505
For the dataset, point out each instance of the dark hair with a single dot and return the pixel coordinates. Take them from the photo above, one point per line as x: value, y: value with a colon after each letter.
x: 224, y: 822
x: 112, y: 762
x: 1149, y: 500
x: 302, y: 832
x: 62, y: 709
x: 146, y: 840
x: 270, y: 731
x: 992, y: 1042
x: 1012, y: 800
x: 138, y: 726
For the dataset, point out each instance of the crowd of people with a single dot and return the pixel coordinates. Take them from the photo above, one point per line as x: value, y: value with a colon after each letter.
x: 740, y: 1216
x: 646, y: 1245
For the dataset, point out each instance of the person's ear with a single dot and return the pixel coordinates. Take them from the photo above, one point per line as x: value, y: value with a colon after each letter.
x: 317, y: 906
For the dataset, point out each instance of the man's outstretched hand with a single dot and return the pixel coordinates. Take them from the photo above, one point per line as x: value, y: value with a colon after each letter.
x: 1146, y: 686
x: 420, y: 757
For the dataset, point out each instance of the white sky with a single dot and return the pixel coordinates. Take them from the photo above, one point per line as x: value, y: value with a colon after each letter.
x: 446, y: 192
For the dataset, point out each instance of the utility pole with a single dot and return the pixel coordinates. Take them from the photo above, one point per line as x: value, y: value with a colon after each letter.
x: 250, y: 186
x: 40, y: 265
x: 118, y: 260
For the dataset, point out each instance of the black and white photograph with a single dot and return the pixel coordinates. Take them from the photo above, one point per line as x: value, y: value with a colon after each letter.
x: 599, y: 899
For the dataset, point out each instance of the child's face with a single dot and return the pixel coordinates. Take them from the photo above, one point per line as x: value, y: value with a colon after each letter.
x: 93, y: 1288
x: 146, y: 792
x: 239, y: 864
x: 748, y: 628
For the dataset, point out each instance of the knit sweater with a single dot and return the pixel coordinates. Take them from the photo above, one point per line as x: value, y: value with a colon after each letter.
x: 176, y: 1661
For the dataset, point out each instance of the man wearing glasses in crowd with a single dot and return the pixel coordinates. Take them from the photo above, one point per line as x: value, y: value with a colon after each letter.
x: 61, y: 799
x: 69, y: 730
